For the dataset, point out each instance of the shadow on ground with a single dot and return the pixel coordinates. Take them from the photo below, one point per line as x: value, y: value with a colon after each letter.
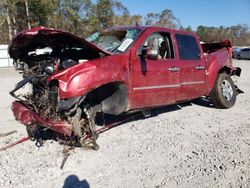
x: 72, y: 181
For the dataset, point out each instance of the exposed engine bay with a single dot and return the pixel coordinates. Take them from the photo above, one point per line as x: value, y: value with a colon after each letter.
x: 36, y: 69
x: 42, y: 97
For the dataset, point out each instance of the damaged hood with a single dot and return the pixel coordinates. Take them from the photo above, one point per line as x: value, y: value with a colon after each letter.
x: 41, y: 37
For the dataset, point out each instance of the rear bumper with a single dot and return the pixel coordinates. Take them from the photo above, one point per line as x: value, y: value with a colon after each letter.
x: 28, y: 117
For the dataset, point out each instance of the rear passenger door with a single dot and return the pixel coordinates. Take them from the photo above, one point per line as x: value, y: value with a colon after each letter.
x: 192, y: 71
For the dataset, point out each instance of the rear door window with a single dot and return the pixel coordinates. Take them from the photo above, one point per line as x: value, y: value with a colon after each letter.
x: 188, y: 47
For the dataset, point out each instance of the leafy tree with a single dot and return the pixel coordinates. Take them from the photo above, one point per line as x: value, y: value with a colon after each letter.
x: 188, y: 28
x: 168, y: 19
x: 73, y: 13
x: 8, y: 19
x: 108, y: 13
x: 104, y: 14
x: 238, y: 34
x: 128, y: 20
x: 40, y: 12
x: 165, y: 19
x: 151, y: 19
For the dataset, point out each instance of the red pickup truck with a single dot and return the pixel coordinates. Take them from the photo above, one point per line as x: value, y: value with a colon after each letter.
x: 112, y: 72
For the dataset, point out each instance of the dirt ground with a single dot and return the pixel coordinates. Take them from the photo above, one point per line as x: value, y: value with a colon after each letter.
x: 189, y: 145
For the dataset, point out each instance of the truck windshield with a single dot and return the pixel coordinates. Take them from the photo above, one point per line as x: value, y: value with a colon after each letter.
x: 116, y: 41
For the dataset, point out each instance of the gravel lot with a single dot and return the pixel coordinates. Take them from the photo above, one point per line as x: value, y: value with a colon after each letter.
x: 190, y: 145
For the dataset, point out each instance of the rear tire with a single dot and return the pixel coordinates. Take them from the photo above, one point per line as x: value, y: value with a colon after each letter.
x: 238, y: 57
x: 224, y: 93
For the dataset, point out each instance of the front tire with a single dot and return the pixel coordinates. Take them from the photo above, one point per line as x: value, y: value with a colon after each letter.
x: 223, y: 94
x: 238, y: 57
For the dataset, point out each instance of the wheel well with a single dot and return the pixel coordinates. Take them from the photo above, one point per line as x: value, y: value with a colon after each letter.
x: 54, y: 82
x: 225, y: 70
x: 236, y: 71
x: 112, y: 96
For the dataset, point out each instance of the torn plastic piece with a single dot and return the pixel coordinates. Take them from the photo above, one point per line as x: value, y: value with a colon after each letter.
x: 15, y: 143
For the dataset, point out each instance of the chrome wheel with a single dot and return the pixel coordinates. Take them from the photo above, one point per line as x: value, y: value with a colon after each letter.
x: 224, y: 92
x: 227, y: 90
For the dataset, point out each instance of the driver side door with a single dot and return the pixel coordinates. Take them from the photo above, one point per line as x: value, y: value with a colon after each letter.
x: 155, y: 78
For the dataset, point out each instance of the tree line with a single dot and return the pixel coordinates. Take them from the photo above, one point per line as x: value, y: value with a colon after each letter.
x: 83, y: 17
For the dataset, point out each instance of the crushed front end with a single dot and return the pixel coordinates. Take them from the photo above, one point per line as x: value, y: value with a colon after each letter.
x: 38, y: 55
x: 41, y: 107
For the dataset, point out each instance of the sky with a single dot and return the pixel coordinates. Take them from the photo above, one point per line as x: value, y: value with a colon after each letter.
x: 196, y: 12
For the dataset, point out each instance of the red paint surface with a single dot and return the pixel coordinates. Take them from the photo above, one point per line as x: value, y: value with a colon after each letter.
x: 27, y: 117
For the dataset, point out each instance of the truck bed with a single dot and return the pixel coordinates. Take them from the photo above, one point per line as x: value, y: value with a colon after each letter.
x: 213, y: 47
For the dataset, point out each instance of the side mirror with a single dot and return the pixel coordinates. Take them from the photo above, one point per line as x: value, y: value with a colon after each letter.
x: 152, y: 54
x: 150, y: 49
x: 147, y: 53
x: 153, y: 49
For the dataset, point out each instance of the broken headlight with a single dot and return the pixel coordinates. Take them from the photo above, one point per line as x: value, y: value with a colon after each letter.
x: 20, y: 66
x: 49, y: 70
x: 67, y: 63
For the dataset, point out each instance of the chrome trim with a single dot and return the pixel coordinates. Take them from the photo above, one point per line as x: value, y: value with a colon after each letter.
x: 156, y: 87
x: 174, y: 69
x: 191, y: 83
x: 167, y: 86
x: 200, y: 67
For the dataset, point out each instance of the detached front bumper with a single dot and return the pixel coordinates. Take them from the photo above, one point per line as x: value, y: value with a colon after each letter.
x: 28, y: 117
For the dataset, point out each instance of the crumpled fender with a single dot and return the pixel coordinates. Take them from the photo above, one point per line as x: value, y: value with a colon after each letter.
x: 72, y: 81
x: 80, y: 79
x: 216, y: 62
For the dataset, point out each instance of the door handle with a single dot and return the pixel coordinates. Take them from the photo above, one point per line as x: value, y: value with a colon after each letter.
x: 174, y: 69
x: 200, y: 67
